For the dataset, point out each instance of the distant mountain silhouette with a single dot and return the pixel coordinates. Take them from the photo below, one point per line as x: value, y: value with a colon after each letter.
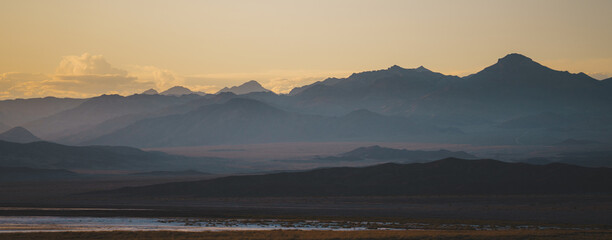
x: 48, y: 155
x: 15, y: 174
x: 514, y: 101
x: 151, y: 92
x: 99, y: 109
x: 242, y: 120
x: 389, y: 91
x: 592, y: 157
x: 444, y: 177
x: 237, y: 120
x: 187, y: 103
x: 18, y: 135
x: 403, y: 155
x: 247, y: 87
x: 514, y: 86
x: 176, y: 91
x: 18, y: 112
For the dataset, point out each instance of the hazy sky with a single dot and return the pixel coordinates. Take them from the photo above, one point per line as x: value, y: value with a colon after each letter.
x: 83, y: 48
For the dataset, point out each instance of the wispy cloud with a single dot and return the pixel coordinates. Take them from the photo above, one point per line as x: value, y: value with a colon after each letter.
x: 155, y: 77
x: 279, y: 81
x: 76, y: 76
x: 88, y: 75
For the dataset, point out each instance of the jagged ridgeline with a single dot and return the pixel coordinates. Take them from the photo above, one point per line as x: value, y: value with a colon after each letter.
x: 515, y: 101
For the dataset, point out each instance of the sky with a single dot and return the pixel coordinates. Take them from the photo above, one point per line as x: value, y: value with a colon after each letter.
x: 85, y: 48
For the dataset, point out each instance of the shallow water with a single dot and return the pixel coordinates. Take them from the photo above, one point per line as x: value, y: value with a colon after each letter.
x: 54, y: 224
x: 64, y: 224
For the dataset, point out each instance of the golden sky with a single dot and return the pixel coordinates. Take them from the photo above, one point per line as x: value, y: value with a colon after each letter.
x: 84, y: 48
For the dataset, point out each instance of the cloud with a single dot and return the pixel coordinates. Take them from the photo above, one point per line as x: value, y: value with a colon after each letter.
x: 88, y: 75
x: 285, y: 85
x: 27, y: 85
x: 155, y: 77
x: 87, y: 64
x: 600, y: 75
x: 76, y: 76
x: 279, y: 81
x: 92, y: 74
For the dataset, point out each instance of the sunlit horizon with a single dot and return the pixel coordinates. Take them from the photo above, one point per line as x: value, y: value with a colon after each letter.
x: 81, y: 49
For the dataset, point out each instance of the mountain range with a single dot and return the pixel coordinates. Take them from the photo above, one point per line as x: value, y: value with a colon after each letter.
x: 449, y: 176
x: 46, y: 155
x: 18, y: 135
x: 242, y: 120
x: 247, y: 87
x: 396, y: 155
x: 514, y: 101
x: 96, y: 110
x: 15, y: 174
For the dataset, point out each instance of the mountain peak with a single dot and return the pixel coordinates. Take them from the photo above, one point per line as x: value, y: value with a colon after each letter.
x: 251, y: 83
x: 514, y: 58
x: 177, y: 91
x: 422, y: 69
x: 150, y: 92
x: 395, y: 68
x: 18, y: 135
x: 247, y: 87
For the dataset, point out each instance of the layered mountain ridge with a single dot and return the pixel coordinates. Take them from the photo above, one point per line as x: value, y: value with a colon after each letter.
x: 514, y: 101
x: 449, y: 176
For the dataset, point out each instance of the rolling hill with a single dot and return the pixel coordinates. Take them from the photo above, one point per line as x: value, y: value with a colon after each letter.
x: 449, y: 176
x: 16, y: 174
x: 18, y: 135
x: 397, y: 155
x: 48, y: 155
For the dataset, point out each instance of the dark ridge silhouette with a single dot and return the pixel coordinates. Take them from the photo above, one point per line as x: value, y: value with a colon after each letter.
x: 56, y: 156
x: 422, y: 69
x: 512, y: 87
x: 328, y: 81
x: 177, y: 91
x: 592, y: 158
x: 150, y: 92
x: 403, y: 155
x: 16, y: 174
x: 18, y: 135
x: 517, y: 84
x: 247, y: 87
x: 390, y: 91
x: 449, y: 176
